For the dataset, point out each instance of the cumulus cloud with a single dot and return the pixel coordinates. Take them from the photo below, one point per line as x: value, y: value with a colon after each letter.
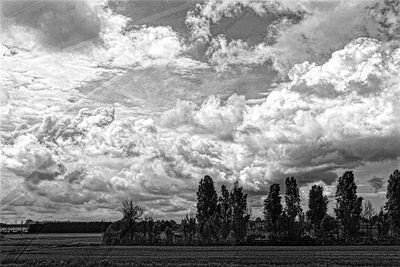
x: 58, y: 74
x: 360, y: 67
x: 55, y: 23
x: 31, y: 160
x: 55, y: 129
x: 335, y: 115
x: 212, y: 116
x: 37, y: 153
x: 298, y: 31
x: 336, y: 111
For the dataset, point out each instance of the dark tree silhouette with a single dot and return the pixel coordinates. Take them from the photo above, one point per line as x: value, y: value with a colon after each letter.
x: 368, y: 215
x: 273, y: 209
x: 207, y: 200
x: 393, y: 202
x: 292, y: 199
x: 317, y: 207
x: 188, y: 225
x: 225, y: 212
x: 239, y: 212
x: 328, y: 228
x: 348, y: 208
x: 131, y: 213
x: 383, y: 224
x: 293, y: 208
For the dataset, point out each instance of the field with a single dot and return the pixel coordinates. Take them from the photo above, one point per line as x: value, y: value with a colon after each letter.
x: 84, y: 250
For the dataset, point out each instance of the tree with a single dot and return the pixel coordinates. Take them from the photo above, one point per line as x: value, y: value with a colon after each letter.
x: 273, y: 209
x: 188, y: 225
x: 382, y: 222
x: 149, y: 229
x: 393, y: 202
x: 131, y: 213
x: 348, y: 206
x: 368, y: 213
x: 317, y: 206
x: 293, y: 207
x: 292, y: 199
x: 207, y: 208
x: 239, y: 212
x: 328, y: 228
x: 225, y: 212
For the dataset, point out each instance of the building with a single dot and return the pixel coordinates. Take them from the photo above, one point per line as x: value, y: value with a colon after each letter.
x: 257, y: 229
x: 14, y: 228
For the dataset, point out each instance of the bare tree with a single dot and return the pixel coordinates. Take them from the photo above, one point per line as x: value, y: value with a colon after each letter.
x: 132, y: 213
x: 368, y: 210
x: 368, y: 214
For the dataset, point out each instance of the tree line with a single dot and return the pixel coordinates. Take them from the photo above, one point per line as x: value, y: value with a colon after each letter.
x: 68, y: 227
x: 225, y: 218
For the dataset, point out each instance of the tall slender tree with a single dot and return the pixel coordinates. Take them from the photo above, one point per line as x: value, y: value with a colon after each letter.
x: 383, y: 224
x: 393, y: 202
x: 293, y: 208
x: 317, y: 206
x: 368, y: 214
x: 273, y: 209
x: 225, y: 212
x: 292, y: 199
x: 348, y: 207
x: 188, y: 225
x: 239, y: 212
x: 207, y: 200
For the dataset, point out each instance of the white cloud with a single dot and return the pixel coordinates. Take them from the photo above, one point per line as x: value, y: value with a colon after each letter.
x: 339, y: 114
x: 211, y: 117
x: 32, y: 160
x: 337, y: 111
x: 302, y: 30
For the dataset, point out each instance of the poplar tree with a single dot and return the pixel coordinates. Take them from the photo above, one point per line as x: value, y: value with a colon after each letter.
x: 317, y: 206
x: 239, y: 212
x: 273, y: 209
x: 225, y: 212
x: 293, y: 208
x: 207, y: 200
x: 348, y: 207
x: 393, y: 202
x: 292, y: 199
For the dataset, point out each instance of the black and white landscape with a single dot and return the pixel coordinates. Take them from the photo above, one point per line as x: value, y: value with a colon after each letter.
x: 194, y: 123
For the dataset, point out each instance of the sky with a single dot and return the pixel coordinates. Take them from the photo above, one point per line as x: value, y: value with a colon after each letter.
x: 104, y: 101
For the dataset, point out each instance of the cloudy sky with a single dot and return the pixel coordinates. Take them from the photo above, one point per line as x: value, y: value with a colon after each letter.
x: 103, y: 101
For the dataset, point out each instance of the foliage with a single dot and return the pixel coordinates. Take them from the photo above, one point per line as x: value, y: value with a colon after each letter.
x: 368, y: 215
x: 225, y: 212
x: 239, y: 212
x: 383, y: 224
x: 292, y: 199
x: 348, y: 208
x: 226, y: 220
x: 393, y: 202
x: 317, y: 206
x: 207, y: 200
x: 273, y: 208
x: 329, y: 228
x: 293, y: 209
x: 189, y: 229
x: 131, y: 212
x: 68, y: 227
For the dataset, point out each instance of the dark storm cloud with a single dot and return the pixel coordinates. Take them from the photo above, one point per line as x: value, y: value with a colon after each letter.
x: 58, y: 23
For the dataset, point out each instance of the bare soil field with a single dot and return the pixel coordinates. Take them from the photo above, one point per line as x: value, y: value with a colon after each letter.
x: 85, y: 250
